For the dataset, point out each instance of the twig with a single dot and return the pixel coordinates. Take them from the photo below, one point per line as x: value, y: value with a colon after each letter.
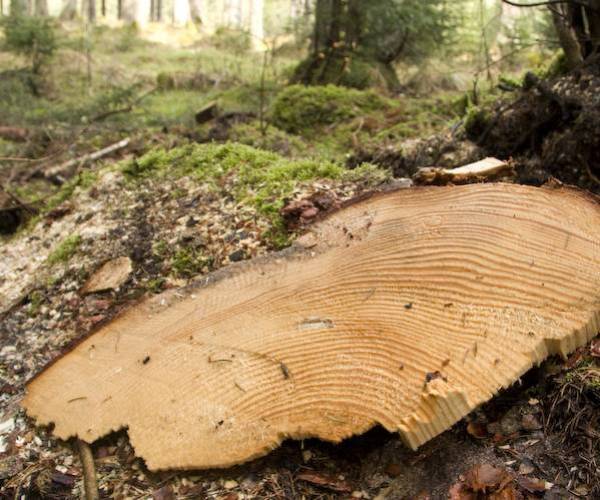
x: 18, y: 201
x: 125, y: 109
x: 549, y: 2
x: 90, y: 482
x: 588, y: 170
x: 58, y: 173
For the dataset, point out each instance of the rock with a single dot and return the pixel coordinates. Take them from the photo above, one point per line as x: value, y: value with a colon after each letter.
x: 237, y: 256
x: 510, y: 422
x: 530, y: 422
x: 164, y: 493
x: 111, y: 276
x: 230, y: 484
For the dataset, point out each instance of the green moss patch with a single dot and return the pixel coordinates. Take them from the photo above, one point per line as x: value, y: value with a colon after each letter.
x: 254, y: 177
x: 65, y: 250
x: 298, y: 109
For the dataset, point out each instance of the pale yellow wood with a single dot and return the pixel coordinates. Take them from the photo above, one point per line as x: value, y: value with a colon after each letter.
x: 407, y: 310
x: 486, y: 169
x: 111, y: 276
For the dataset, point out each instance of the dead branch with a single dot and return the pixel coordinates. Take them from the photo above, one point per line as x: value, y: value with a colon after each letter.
x: 62, y: 172
x: 15, y: 134
x: 90, y: 482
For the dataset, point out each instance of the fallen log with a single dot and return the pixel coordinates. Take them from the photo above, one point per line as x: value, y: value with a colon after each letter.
x: 15, y: 134
x: 207, y: 113
x: 407, y: 309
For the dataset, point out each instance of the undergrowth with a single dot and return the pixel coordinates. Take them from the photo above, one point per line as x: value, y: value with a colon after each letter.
x: 301, y: 109
x: 254, y: 177
x: 65, y: 250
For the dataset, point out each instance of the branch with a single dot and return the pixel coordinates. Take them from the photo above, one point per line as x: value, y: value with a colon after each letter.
x: 90, y: 483
x: 60, y: 173
x: 550, y: 2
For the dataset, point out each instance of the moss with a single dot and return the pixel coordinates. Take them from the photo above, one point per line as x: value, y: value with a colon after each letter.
x: 187, y: 262
x: 160, y: 249
x: 65, y: 250
x: 165, y: 81
x: 342, y: 69
x: 156, y: 285
x: 253, y: 177
x: 83, y: 180
x: 510, y: 83
x: 36, y: 298
x: 273, y: 139
x: 585, y: 374
x: 556, y: 67
x: 299, y: 109
x: 476, y: 122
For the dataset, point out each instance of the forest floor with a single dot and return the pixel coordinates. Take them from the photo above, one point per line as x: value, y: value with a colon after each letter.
x: 182, y: 199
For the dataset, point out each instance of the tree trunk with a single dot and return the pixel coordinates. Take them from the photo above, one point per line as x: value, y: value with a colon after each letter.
x: 196, y: 11
x: 256, y: 24
x: 233, y: 13
x: 594, y: 23
x: 567, y: 37
x: 91, y: 10
x: 41, y: 7
x: 336, y: 37
x: 119, y: 9
x: 18, y: 7
x: 128, y: 10
x: 69, y: 10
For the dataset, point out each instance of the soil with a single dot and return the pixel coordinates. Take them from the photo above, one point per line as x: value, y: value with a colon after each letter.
x: 548, y: 129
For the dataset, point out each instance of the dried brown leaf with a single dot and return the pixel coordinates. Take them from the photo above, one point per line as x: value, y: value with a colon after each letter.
x: 325, y: 481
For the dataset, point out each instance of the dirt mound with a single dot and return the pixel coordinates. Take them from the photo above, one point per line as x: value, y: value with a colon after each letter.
x: 548, y: 129
x: 551, y: 129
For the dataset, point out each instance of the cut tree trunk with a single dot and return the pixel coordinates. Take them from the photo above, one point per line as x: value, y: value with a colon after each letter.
x: 407, y: 309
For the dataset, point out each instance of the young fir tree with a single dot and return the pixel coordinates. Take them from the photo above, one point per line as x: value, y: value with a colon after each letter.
x: 353, y: 39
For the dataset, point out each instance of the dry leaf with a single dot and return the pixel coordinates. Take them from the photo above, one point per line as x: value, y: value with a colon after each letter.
x: 486, y: 478
x: 325, y: 481
x: 111, y: 276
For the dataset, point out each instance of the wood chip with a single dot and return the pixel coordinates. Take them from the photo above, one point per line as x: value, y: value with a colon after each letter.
x: 111, y: 276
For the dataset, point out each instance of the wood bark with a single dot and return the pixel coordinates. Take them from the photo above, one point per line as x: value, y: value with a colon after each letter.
x: 407, y: 309
x: 18, y: 7
x: 69, y: 10
x: 16, y: 134
x: 41, y: 7
x: 196, y: 11
x: 568, y: 39
x: 91, y: 10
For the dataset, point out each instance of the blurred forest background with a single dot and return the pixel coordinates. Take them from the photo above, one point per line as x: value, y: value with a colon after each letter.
x: 100, y: 71
x: 79, y: 76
